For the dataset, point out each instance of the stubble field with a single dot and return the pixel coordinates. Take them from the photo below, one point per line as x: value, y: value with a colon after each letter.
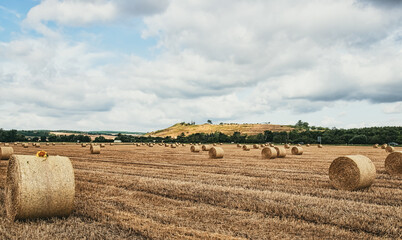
x: 130, y: 192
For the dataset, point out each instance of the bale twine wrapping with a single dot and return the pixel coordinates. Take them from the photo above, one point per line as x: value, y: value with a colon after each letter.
x: 255, y: 146
x: 206, y: 147
x: 95, y: 149
x: 281, y: 152
x: 393, y: 163
x: 384, y: 146
x: 375, y: 146
x: 6, y: 152
x: 216, y: 152
x: 319, y: 146
x: 297, y: 150
x: 246, y: 148
x: 287, y: 146
x: 389, y: 149
x: 39, y: 188
x: 269, y: 153
x: 352, y: 172
x: 195, y: 148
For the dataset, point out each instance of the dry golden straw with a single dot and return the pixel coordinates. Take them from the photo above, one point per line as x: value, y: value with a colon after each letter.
x: 389, y: 149
x: 37, y: 145
x: 375, y: 146
x: 297, y: 150
x: 102, y: 145
x: 173, y: 146
x: 95, y: 149
x: 287, y: 146
x: 319, y: 146
x: 352, y: 172
x: 206, y: 147
x: 281, y: 152
x: 6, y: 144
x: 384, y: 146
x: 269, y: 152
x: 307, y: 145
x: 238, y: 145
x: 54, y: 144
x: 271, y: 145
x: 216, y: 152
x: 25, y: 145
x: 39, y: 187
x: 6, y: 152
x: 393, y: 163
x: 246, y: 148
x: 195, y: 148
x: 84, y: 145
x: 255, y: 146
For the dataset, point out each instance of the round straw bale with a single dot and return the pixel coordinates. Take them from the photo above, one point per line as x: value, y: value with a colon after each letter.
x: 216, y: 152
x: 183, y: 145
x: 220, y: 143
x: 384, y: 146
x: 319, y: 146
x: 38, y: 187
x: 255, y: 146
x: 262, y: 145
x: 33, y: 144
x: 47, y: 144
x: 173, y: 146
x: 393, y: 163
x: 271, y: 145
x: 195, y: 148
x: 63, y: 143
x: 238, y: 145
x: 375, y: 146
x: 102, y: 145
x: 269, y: 152
x: 15, y: 143
x: 84, y: 145
x: 6, y: 144
x: 54, y: 144
x: 307, y: 145
x: 281, y: 152
x: 214, y: 144
x: 37, y: 145
x: 287, y: 146
x: 352, y: 172
x: 95, y: 149
x: 297, y: 150
x: 25, y: 145
x: 206, y: 147
x: 150, y: 145
x: 389, y: 149
x: 111, y: 144
x: 299, y: 145
x: 6, y: 152
x: 246, y: 148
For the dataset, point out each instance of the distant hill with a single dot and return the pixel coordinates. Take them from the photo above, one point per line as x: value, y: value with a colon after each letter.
x: 228, y: 129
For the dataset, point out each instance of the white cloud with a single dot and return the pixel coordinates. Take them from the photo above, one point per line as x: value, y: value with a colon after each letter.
x: 225, y: 60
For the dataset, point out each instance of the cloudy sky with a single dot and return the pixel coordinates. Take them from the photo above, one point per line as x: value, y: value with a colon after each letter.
x: 144, y: 65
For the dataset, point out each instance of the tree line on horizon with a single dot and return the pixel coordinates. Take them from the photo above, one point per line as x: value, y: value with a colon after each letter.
x: 301, y: 133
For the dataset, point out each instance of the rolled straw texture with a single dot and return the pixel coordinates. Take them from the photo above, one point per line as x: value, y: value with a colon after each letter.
x: 95, y: 149
x: 6, y: 152
x: 297, y: 150
x: 38, y: 187
x: 281, y: 152
x: 352, y: 172
x: 216, y: 152
x: 393, y: 163
x: 269, y: 152
x: 195, y: 148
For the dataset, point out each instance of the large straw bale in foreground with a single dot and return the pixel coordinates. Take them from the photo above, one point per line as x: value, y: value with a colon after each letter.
x: 38, y: 187
x: 352, y: 172
x: 297, y: 150
x: 216, y: 152
x: 6, y: 152
x: 393, y: 163
x: 269, y: 152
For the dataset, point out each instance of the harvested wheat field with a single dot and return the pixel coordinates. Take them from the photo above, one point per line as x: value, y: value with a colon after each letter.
x: 130, y: 192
